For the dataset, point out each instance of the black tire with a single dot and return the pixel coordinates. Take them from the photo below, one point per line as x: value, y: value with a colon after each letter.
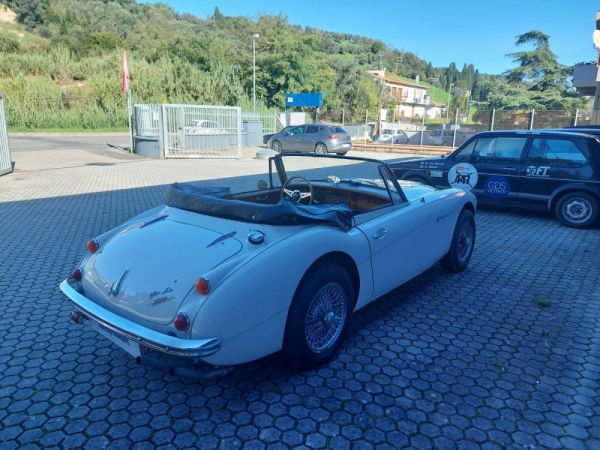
x: 577, y: 209
x: 297, y: 351
x: 457, y: 259
x: 321, y: 149
x: 276, y: 146
x: 342, y: 153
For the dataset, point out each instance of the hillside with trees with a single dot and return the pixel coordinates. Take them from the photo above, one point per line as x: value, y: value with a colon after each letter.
x: 60, y: 64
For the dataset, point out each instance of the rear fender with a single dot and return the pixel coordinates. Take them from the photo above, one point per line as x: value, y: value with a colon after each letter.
x: 253, y: 300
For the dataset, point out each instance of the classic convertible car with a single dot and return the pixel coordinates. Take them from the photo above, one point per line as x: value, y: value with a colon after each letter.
x: 222, y: 276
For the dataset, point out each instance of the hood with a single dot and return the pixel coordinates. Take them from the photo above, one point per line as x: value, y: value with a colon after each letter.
x: 146, y: 270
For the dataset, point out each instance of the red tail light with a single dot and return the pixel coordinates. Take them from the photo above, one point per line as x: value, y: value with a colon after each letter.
x: 332, y: 136
x: 202, y: 286
x: 92, y: 246
x: 76, y: 275
x: 182, y: 322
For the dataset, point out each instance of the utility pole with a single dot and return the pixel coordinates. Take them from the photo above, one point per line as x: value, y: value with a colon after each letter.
x: 254, y: 38
x: 449, y: 97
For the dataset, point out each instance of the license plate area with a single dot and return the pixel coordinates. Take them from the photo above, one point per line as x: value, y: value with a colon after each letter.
x: 131, y: 347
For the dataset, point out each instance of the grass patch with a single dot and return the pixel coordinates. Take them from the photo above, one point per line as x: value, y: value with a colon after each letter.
x: 68, y: 130
x: 542, y: 302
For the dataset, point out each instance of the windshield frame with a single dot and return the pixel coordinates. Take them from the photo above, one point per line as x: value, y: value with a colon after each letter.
x: 384, y: 171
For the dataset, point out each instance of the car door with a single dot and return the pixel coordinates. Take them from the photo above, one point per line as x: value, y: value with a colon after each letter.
x: 395, y: 236
x: 293, y: 140
x: 311, y: 136
x: 550, y: 163
x: 489, y: 166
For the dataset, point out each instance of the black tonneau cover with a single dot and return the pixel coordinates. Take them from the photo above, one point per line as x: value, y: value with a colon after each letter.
x: 212, y: 201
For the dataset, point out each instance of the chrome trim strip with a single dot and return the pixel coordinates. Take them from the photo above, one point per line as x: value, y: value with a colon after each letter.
x: 153, y: 339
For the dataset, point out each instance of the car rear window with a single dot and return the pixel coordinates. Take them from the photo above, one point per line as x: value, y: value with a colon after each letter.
x: 312, y: 129
x: 338, y: 130
x: 555, y: 152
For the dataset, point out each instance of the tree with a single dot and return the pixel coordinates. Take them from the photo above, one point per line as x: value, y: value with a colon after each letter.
x: 539, y: 67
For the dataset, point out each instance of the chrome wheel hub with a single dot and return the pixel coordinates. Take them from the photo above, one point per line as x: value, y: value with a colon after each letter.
x: 577, y: 210
x: 325, y: 317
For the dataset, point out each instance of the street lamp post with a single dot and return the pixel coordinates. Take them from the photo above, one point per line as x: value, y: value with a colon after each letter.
x: 448, y: 107
x: 254, y: 38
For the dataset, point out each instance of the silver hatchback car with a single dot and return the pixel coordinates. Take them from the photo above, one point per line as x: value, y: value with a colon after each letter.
x: 316, y: 137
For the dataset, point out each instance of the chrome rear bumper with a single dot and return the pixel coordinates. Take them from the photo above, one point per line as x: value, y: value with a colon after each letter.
x: 194, y: 348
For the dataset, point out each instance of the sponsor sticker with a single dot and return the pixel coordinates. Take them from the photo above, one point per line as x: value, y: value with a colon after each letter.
x: 463, y: 176
x: 538, y: 171
x: 437, y: 173
x: 497, y: 187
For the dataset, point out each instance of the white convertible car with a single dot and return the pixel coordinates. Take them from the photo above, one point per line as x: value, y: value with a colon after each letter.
x: 222, y: 276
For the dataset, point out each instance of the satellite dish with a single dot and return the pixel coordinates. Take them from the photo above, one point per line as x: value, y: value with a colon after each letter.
x: 596, y: 38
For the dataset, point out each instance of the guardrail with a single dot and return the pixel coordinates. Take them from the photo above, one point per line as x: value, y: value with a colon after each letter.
x: 403, y: 148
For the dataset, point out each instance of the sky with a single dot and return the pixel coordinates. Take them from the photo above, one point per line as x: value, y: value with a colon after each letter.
x: 480, y: 32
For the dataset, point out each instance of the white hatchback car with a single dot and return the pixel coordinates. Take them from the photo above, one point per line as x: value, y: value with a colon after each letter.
x: 222, y: 276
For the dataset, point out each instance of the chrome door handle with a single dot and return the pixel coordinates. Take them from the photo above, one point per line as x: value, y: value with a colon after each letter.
x: 380, y: 233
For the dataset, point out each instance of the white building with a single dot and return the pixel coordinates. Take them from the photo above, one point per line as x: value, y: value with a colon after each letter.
x: 412, y: 100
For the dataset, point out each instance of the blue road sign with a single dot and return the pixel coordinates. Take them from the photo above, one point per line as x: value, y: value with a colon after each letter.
x: 304, y: 99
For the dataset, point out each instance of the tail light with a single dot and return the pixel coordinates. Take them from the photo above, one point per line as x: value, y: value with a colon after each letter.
x: 92, y: 246
x: 182, y: 322
x: 202, y: 286
x: 333, y: 136
x: 76, y: 275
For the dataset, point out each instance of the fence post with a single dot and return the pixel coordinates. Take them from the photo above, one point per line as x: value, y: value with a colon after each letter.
x: 343, y: 116
x: 531, y: 119
x: 576, y: 117
x: 366, y: 124
x: 422, y: 128
x: 239, y: 132
x: 5, y: 160
x: 492, y: 119
x: 455, y: 126
x: 162, y: 131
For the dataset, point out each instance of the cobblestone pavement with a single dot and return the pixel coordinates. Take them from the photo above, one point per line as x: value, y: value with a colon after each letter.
x: 504, y: 354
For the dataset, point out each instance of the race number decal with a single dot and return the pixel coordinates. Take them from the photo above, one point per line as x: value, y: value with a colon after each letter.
x: 497, y: 187
x: 463, y: 176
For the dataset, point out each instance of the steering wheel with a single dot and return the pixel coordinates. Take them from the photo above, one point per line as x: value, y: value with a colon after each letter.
x: 295, y: 194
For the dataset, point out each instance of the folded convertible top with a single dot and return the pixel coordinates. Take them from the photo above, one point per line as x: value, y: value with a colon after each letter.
x: 212, y: 201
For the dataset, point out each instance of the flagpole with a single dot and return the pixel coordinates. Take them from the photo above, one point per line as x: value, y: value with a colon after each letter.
x: 129, y: 114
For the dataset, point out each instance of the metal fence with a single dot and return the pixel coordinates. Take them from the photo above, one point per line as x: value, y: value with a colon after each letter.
x: 453, y: 131
x: 269, y: 121
x: 201, y: 131
x: 5, y: 161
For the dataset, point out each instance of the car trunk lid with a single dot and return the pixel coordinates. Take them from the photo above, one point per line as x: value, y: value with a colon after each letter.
x: 147, y: 271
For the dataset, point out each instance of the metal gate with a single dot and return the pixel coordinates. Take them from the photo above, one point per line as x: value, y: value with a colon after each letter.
x: 5, y: 162
x: 201, y: 131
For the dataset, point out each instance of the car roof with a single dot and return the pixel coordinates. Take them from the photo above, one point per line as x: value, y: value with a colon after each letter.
x: 557, y: 133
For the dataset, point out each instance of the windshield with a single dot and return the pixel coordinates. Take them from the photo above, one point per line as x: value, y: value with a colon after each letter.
x: 350, y: 174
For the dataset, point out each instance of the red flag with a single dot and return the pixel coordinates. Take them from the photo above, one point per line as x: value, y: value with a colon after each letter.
x: 126, y: 77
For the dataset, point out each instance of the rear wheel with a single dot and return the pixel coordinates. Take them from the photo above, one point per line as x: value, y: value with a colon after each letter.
x: 276, y: 146
x: 577, y: 209
x: 342, y: 153
x: 320, y: 149
x: 318, y: 317
x: 463, y: 241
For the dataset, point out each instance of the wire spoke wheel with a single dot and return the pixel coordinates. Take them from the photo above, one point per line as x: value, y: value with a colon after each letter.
x: 325, y: 317
x: 466, y: 238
